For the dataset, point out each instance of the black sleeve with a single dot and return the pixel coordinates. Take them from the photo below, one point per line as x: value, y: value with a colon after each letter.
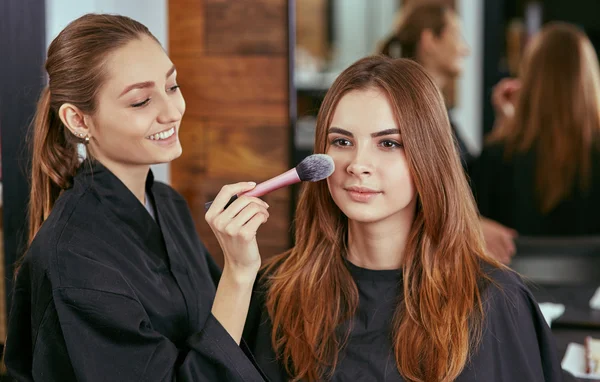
x: 517, y: 344
x: 213, y: 268
x: 491, y: 183
x: 480, y: 182
x: 108, y: 337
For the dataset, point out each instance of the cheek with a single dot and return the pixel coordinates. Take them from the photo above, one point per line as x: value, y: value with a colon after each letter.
x: 338, y: 161
x: 180, y: 103
x: 126, y: 129
x: 399, y: 174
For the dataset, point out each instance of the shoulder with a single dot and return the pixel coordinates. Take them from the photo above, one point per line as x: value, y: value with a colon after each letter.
x: 74, y: 248
x: 508, y: 302
x: 515, y: 339
x: 503, y: 283
x: 71, y: 213
x: 493, y: 152
x: 491, y: 167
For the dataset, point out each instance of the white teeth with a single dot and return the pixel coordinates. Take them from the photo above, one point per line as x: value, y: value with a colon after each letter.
x: 162, y: 135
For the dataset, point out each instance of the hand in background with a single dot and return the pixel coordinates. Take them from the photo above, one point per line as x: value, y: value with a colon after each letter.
x: 499, y: 240
x: 504, y: 98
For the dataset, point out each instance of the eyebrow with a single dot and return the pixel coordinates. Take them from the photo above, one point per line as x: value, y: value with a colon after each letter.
x: 337, y: 130
x: 146, y: 84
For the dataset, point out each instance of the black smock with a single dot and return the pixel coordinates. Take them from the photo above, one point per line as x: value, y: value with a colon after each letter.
x: 505, y: 191
x: 517, y: 344
x: 106, y: 293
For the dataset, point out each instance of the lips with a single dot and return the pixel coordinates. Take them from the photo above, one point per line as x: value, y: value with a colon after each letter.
x: 362, y: 189
x: 362, y: 194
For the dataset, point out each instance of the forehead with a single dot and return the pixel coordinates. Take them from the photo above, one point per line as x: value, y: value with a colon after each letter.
x: 453, y: 24
x: 139, y: 60
x: 364, y: 111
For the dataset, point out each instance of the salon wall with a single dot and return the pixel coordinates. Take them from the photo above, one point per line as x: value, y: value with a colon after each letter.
x: 232, y: 62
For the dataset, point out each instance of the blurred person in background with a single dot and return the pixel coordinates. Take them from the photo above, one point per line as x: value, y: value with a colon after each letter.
x: 431, y: 34
x: 539, y: 171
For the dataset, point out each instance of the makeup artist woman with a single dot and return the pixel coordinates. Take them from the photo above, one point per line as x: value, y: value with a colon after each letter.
x: 116, y: 285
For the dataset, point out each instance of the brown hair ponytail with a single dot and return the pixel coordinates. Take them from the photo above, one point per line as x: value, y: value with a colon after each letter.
x: 54, y: 162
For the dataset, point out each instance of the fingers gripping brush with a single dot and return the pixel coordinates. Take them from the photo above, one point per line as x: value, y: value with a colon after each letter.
x: 312, y: 169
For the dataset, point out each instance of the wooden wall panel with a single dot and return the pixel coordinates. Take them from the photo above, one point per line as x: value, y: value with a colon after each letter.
x: 264, y: 30
x: 232, y: 62
x: 311, y: 27
x: 233, y: 83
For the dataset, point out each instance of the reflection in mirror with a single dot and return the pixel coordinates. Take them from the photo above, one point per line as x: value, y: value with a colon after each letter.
x: 330, y: 36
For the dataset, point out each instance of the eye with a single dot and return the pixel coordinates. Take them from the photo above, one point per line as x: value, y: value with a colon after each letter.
x: 174, y: 88
x: 389, y: 144
x: 340, y: 142
x: 141, y: 104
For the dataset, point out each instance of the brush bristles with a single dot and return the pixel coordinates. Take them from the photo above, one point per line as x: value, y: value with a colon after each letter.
x: 315, y: 167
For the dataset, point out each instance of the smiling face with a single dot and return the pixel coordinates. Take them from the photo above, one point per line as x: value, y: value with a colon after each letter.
x: 372, y: 181
x: 139, y: 108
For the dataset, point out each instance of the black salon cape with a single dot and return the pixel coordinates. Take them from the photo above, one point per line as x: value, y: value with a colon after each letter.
x: 517, y: 345
x: 107, y: 294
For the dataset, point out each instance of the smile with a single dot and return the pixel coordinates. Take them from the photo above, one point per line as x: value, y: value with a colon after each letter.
x: 162, y: 135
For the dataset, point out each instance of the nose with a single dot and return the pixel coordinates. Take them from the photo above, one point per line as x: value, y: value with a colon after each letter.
x: 171, y: 110
x: 360, y: 164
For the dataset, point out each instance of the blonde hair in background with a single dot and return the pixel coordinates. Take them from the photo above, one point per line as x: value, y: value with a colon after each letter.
x: 557, y: 114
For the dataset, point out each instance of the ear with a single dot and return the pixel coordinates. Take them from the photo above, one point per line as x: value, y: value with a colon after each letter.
x: 428, y: 40
x: 74, y: 120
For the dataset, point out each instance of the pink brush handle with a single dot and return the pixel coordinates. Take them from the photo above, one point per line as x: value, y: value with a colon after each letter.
x: 285, y: 179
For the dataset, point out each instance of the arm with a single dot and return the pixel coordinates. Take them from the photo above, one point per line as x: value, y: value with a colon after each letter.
x: 235, y: 228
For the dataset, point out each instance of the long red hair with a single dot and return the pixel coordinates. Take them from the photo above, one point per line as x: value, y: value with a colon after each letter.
x: 310, y: 292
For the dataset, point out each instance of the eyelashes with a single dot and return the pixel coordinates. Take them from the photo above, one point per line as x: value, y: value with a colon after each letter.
x: 140, y: 104
x: 145, y: 102
x: 388, y: 144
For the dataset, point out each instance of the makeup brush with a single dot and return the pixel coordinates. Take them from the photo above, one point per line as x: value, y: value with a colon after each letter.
x: 312, y: 169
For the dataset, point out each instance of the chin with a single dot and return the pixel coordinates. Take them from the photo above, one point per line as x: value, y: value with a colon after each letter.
x: 171, y: 155
x: 364, y: 214
x: 455, y: 70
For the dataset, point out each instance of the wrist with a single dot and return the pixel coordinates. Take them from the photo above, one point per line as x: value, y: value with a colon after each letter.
x: 242, y: 277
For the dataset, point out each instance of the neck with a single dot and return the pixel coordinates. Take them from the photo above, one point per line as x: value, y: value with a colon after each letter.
x: 440, y: 79
x: 379, y: 245
x: 133, y: 177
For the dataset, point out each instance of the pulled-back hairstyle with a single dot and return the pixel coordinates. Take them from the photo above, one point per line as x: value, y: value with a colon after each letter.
x: 76, y: 71
x: 310, y: 292
x: 557, y: 115
x: 404, y: 41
